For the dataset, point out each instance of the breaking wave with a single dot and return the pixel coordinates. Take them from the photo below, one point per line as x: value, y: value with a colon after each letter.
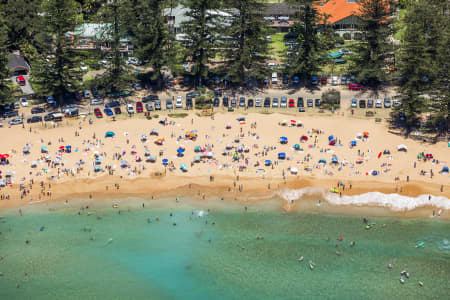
x: 393, y: 201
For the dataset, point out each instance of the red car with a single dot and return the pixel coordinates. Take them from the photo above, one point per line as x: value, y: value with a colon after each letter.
x: 139, y: 107
x: 355, y: 87
x: 98, y: 113
x: 21, y: 80
x: 291, y: 103
x: 324, y: 80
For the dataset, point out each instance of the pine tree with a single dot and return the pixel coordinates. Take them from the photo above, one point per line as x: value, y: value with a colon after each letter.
x: 56, y: 71
x: 307, y: 54
x: 151, y: 37
x: 201, y: 35
x: 246, y: 46
x: 4, y: 88
x: 375, y: 50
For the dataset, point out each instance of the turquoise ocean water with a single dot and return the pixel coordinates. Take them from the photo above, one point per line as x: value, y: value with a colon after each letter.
x: 194, y: 254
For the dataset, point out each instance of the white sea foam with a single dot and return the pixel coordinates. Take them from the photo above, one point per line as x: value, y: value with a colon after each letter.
x: 392, y: 201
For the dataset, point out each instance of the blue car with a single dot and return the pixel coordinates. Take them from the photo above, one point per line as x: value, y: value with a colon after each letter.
x: 112, y: 104
x: 108, y: 112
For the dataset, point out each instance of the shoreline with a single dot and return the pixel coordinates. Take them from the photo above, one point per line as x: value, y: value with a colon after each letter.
x: 295, y: 195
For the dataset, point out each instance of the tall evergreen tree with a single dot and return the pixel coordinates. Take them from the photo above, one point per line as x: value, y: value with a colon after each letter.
x: 4, y: 88
x: 246, y: 46
x: 307, y: 54
x: 201, y: 35
x: 56, y: 71
x: 151, y: 37
x: 375, y: 50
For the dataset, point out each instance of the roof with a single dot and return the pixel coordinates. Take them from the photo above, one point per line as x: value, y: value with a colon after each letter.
x: 339, y: 9
x: 279, y: 9
x: 16, y: 61
x: 96, y: 31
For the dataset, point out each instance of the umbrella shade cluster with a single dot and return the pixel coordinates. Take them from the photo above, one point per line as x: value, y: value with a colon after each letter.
x: 109, y: 134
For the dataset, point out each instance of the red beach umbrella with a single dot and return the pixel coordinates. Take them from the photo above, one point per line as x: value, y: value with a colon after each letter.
x: 379, y: 154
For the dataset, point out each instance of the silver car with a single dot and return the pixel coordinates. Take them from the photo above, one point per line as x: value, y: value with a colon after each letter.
x: 15, y: 121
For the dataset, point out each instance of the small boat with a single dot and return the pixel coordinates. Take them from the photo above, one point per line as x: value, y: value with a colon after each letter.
x: 420, y: 245
x: 402, y: 281
x: 311, y: 265
x: 300, y: 259
x: 115, y: 205
x: 420, y: 283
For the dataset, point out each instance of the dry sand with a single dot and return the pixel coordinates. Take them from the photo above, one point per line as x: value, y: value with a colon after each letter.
x: 157, y: 181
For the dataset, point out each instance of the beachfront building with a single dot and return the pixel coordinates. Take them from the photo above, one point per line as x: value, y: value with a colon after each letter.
x: 343, y: 16
x: 93, y: 36
x: 17, y: 64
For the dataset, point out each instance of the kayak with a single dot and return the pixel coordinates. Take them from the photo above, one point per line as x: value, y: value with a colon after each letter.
x: 420, y: 245
x: 334, y: 190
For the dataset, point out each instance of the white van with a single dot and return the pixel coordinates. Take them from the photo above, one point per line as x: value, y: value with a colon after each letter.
x: 274, y: 78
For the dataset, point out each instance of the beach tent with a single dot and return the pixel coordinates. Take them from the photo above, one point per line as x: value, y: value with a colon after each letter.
x: 334, y: 160
x: 159, y: 142
x: 109, y: 134
x: 44, y: 149
x: 281, y: 155
x: 283, y: 140
x: 293, y: 122
x: 151, y: 158
x: 26, y: 150
x: 68, y: 149
x: 210, y: 154
x: 183, y: 167
x: 304, y: 138
x: 444, y: 170
x: 98, y: 161
x: 236, y: 139
x: 143, y: 137
x: 294, y: 170
x: 402, y: 148
x: 283, y: 123
x: 197, y: 158
x: 33, y: 164
x: 154, y: 132
x: 268, y: 162
x: 374, y: 173
x: 322, y: 161
x: 297, y: 147
x: 197, y: 149
x: 359, y: 136
x: 97, y: 169
x: 228, y: 126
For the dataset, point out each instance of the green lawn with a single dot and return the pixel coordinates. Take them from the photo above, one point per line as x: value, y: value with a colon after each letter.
x: 278, y: 48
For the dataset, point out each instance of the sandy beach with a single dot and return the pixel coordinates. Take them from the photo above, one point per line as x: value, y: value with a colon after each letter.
x: 223, y: 157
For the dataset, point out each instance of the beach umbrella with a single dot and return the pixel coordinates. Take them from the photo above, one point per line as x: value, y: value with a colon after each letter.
x: 268, y: 162
x: 294, y: 170
x: 61, y: 147
x: 359, y: 135
x: 374, y: 173
x: 332, y: 143
x: 304, y: 138
x: 180, y: 150
x: 183, y: 167
x: 402, y: 148
x: 281, y: 155
x: 334, y: 159
x: 445, y: 170
x: 365, y: 134
x: 97, y: 169
x: 159, y: 141
x: 283, y: 140
x: 197, y: 148
x: 330, y: 138
x: 284, y: 122
x: 109, y: 134
x: 27, y: 149
x: 197, y: 158
x: 6, y: 155
x: 322, y: 161
x: 210, y: 154
x: 236, y: 139
x: 33, y: 164
x: 228, y: 126
x: 154, y: 132
x: 144, y: 136
x: 297, y: 147
x: 353, y: 143
x: 293, y: 122
x: 165, y: 161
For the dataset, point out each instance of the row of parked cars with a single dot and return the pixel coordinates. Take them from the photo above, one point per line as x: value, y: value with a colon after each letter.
x: 283, y: 101
x: 378, y: 103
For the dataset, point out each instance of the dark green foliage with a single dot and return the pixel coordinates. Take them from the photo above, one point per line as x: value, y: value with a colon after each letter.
x: 246, y: 48
x: 308, y: 54
x: 201, y: 36
x: 4, y: 89
x: 56, y: 70
x: 375, y: 50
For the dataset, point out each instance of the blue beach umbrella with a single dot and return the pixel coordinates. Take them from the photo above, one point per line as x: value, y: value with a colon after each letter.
x: 109, y: 134
x: 322, y: 161
x: 281, y: 155
x: 353, y: 143
x: 183, y: 167
x: 283, y: 140
x: 165, y: 161
x: 268, y: 162
x: 297, y: 147
x: 330, y: 138
x: 334, y: 160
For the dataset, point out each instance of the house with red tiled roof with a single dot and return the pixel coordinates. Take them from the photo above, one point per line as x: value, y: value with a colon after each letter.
x: 343, y: 16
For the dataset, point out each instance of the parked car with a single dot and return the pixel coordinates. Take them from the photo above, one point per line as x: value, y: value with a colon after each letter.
x: 97, y: 101
x: 275, y: 102
x: 362, y: 103
x: 10, y: 113
x: 387, y: 102
x: 323, y: 80
x: 37, y: 110
x: 130, y: 109
x: 283, y: 102
x: 242, y: 102
x: 169, y: 104
x: 98, y: 113
x: 150, y: 98
x: 274, y: 78
x: 15, y: 121
x: 233, y: 102
x: 49, y: 117
x: 137, y: 86
x: 334, y: 80
x: 179, y: 102
x: 108, y: 112
x: 296, y: 80
x: 112, y: 104
x: 309, y: 102
x: 344, y: 80
x: 370, y: 103
x: 117, y: 110
x: 267, y: 102
x: 355, y: 87
x: 216, y: 102
x: 23, y: 102
x: 354, y: 103
x: 21, y: 80
x: 378, y: 103
x: 250, y: 103
x: 34, y: 119
x: 16, y: 105
x: 317, y: 102
x: 86, y: 94
x: 193, y: 94
x: 51, y: 100
x: 225, y: 101
x: 300, y: 102
x: 157, y: 104
x: 285, y: 79
x: 314, y: 80
x: 149, y: 106
x: 94, y: 93
x: 291, y: 103
x: 139, y: 107
x: 258, y: 102
x: 396, y: 103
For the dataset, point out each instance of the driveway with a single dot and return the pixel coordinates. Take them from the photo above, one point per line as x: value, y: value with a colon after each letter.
x: 26, y: 89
